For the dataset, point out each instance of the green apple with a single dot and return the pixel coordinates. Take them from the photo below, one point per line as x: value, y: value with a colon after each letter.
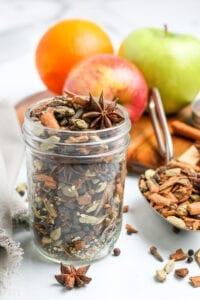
x: 169, y: 61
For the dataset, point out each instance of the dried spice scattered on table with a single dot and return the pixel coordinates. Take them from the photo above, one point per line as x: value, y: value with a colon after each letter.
x: 174, y: 192
x: 179, y: 254
x: 195, y: 281
x: 130, y: 229
x: 169, y: 267
x: 190, y: 252
x: 161, y: 275
x: 182, y: 272
x: 155, y: 253
x: 190, y: 256
x: 125, y: 208
x: 189, y: 259
x: 116, y: 251
x: 71, y: 277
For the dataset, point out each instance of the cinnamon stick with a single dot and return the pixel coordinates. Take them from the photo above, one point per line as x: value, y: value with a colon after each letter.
x: 48, y: 119
x: 167, y: 213
x: 138, y: 141
x: 185, y: 130
x: 158, y: 199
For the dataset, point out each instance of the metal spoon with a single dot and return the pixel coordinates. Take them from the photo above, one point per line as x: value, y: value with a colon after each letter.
x: 164, y: 140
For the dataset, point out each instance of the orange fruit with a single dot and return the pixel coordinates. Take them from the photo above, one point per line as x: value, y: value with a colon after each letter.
x: 64, y: 45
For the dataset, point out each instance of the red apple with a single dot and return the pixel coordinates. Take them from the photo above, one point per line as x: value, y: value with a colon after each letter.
x: 115, y: 76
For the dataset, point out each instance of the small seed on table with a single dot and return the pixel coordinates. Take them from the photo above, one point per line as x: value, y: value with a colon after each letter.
x: 161, y: 275
x: 125, y: 208
x: 190, y: 259
x: 130, y: 229
x: 190, y: 252
x: 116, y: 251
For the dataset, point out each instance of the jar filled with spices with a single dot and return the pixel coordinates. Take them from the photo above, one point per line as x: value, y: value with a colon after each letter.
x: 76, y: 163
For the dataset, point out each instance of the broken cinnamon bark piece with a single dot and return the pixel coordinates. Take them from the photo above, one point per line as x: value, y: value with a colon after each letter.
x: 158, y: 199
x: 125, y: 208
x: 48, y: 119
x: 192, y: 223
x: 182, y: 272
x: 195, y: 281
x: 194, y: 208
x: 178, y: 255
x: 130, y: 229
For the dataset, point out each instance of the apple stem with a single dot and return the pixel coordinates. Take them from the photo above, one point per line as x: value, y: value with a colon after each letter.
x: 165, y: 29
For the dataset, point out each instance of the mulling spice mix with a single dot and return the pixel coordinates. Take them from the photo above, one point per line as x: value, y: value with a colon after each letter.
x: 76, y: 162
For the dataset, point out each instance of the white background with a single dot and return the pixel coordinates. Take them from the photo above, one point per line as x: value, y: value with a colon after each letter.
x: 131, y: 275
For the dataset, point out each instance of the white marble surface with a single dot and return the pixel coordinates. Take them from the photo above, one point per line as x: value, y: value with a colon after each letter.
x: 131, y: 275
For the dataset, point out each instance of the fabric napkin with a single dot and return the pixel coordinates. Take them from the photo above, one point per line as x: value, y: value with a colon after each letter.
x: 11, y: 204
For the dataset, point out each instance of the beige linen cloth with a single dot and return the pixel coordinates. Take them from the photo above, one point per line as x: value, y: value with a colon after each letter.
x: 11, y: 205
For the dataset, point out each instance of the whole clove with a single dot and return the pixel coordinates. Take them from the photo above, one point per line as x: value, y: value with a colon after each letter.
x: 125, y: 208
x: 155, y: 253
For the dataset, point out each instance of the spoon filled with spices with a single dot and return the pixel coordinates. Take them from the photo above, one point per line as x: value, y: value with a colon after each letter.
x: 172, y: 190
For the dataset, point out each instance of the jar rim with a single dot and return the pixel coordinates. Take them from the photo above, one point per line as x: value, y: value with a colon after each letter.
x: 96, y: 143
x: 125, y: 123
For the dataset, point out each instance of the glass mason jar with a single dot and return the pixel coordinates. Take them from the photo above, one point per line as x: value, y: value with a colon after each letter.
x: 75, y: 188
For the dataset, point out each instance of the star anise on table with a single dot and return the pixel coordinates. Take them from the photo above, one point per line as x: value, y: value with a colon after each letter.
x: 71, y: 277
x: 102, y: 114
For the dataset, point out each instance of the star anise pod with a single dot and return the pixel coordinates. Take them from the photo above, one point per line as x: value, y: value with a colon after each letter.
x: 71, y: 277
x: 102, y: 114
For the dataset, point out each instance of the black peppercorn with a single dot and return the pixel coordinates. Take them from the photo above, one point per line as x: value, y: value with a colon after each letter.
x: 190, y: 259
x: 190, y: 252
x: 176, y: 229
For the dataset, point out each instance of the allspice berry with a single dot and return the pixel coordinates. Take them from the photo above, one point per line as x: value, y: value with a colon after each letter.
x: 116, y: 252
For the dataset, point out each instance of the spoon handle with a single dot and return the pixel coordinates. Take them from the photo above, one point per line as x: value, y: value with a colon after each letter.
x: 160, y: 126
